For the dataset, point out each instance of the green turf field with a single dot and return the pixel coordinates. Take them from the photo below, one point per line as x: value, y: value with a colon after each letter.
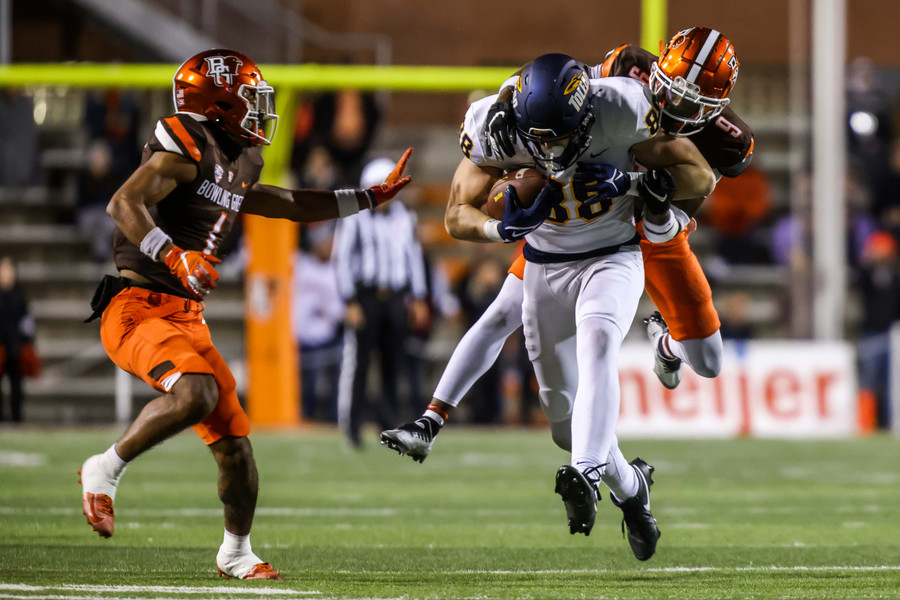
x: 479, y: 519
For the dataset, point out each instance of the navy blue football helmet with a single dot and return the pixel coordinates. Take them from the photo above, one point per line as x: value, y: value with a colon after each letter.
x: 552, y: 110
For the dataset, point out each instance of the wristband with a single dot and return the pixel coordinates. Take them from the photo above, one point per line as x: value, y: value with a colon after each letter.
x: 658, y: 234
x: 153, y: 242
x: 491, y: 230
x: 346, y: 202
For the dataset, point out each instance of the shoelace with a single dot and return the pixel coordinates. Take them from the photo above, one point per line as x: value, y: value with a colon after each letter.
x: 592, y: 474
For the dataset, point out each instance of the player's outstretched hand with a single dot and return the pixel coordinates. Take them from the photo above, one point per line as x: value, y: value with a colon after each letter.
x: 518, y: 222
x: 392, y: 185
x: 595, y: 182
x: 656, y: 187
x: 194, y: 269
x: 499, y: 133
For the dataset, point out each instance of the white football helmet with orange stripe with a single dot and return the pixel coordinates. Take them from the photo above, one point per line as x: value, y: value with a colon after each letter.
x: 227, y: 88
x: 691, y: 80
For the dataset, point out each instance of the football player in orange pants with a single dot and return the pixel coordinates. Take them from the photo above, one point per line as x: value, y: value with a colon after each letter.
x: 689, y: 82
x: 200, y: 169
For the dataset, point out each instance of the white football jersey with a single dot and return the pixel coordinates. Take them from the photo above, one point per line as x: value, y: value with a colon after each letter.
x: 623, y: 116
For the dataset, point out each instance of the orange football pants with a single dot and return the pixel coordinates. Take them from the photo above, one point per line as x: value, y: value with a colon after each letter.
x: 675, y: 283
x: 160, y: 337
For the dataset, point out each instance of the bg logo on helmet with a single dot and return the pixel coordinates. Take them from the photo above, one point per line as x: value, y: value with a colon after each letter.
x: 222, y: 69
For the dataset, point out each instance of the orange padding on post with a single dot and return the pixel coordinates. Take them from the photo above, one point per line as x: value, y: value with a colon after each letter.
x: 867, y: 411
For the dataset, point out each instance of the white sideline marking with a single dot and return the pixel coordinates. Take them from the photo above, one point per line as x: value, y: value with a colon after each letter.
x: 21, y: 459
x: 160, y: 589
x: 93, y: 597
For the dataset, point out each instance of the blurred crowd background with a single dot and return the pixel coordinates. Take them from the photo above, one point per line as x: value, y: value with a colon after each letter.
x: 63, y: 153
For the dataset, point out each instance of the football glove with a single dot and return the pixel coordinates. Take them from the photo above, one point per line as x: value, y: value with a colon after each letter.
x: 595, y: 182
x: 656, y: 188
x: 392, y: 185
x: 518, y: 222
x: 194, y: 269
x: 499, y: 133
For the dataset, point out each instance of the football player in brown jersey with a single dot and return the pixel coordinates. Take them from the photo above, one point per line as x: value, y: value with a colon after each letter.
x: 689, y: 82
x: 200, y: 169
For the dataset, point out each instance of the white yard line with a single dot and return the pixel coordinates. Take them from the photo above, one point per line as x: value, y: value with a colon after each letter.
x: 158, y: 589
x: 21, y: 459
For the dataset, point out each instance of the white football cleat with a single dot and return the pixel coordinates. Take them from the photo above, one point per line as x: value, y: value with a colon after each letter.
x: 667, y: 368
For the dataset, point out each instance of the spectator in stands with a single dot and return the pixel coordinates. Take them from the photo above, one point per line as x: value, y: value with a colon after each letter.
x: 869, y: 119
x: 19, y: 163
x: 879, y: 285
x: 381, y: 276
x: 318, y: 323
x: 477, y: 289
x: 111, y: 119
x: 736, y: 209
x: 17, y: 356
x: 886, y: 192
x: 343, y: 123
x: 734, y: 312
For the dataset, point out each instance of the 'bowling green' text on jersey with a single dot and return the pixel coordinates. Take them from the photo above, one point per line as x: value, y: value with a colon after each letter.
x: 199, y: 214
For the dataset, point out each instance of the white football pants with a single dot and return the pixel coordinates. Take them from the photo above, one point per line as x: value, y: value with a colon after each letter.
x: 576, y: 315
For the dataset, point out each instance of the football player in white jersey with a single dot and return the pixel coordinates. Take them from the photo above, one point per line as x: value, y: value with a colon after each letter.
x: 584, y: 273
x: 673, y: 276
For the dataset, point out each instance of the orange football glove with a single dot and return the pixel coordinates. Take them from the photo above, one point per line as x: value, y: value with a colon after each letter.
x: 392, y: 184
x: 194, y: 269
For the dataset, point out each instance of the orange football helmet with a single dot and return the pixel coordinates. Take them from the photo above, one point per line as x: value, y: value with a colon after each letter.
x: 227, y: 88
x: 691, y: 80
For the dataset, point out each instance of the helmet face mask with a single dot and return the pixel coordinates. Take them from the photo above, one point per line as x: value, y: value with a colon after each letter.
x: 683, y: 109
x: 227, y: 88
x: 553, y: 112
x: 692, y: 78
x: 261, y: 121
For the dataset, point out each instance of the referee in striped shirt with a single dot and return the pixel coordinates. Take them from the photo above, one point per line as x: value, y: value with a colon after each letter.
x: 381, y: 276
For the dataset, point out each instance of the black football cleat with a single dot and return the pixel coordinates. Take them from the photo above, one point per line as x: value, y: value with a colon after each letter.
x: 580, y: 497
x: 414, y: 439
x: 636, y: 516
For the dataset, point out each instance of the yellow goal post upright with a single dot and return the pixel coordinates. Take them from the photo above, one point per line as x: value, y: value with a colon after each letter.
x: 273, y: 395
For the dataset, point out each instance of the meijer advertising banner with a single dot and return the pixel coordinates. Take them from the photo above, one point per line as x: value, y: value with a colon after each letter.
x: 765, y: 389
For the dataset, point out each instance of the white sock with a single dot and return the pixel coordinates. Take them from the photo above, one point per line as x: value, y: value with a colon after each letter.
x: 100, y: 473
x: 235, y: 556
x: 430, y: 414
x: 235, y: 544
x: 113, y: 463
x: 619, y: 476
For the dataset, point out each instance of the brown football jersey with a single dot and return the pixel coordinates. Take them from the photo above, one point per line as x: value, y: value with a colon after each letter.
x: 199, y: 214
x: 726, y: 143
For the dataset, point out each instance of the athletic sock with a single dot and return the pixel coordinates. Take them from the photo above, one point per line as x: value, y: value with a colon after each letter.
x: 621, y: 479
x: 113, y: 463
x: 235, y: 556
x: 235, y: 544
x: 664, y: 346
x: 100, y: 473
